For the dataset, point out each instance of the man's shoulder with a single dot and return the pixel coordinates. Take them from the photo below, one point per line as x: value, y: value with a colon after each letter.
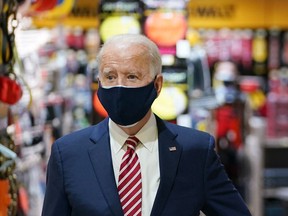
x: 191, y: 137
x: 79, y: 132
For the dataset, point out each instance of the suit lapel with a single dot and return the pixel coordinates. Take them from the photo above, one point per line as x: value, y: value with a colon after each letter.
x: 100, y: 156
x: 169, y: 155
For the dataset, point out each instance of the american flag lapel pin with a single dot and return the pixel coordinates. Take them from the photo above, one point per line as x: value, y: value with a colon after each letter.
x: 172, y: 148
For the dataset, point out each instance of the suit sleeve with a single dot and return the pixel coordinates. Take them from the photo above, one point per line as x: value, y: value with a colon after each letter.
x: 55, y: 200
x: 222, y: 198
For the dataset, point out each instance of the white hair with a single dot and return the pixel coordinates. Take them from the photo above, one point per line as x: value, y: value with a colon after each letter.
x: 136, y: 39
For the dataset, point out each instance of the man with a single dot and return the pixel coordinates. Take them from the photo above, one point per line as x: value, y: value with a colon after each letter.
x: 175, y: 170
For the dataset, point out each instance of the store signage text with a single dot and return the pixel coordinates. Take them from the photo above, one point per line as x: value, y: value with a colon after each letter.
x: 211, y: 11
x: 121, y: 6
x: 84, y: 12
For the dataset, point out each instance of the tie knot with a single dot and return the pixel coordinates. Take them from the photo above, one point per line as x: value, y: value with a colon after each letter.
x: 132, y: 142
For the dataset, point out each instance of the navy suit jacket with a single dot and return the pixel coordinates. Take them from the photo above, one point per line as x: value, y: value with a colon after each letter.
x: 80, y: 177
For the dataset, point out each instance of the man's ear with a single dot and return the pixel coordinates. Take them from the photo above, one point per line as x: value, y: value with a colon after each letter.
x: 158, y: 83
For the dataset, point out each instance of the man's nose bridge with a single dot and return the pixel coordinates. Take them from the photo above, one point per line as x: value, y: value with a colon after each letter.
x: 121, y: 81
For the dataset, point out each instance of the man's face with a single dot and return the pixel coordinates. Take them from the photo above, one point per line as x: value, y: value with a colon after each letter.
x: 125, y: 66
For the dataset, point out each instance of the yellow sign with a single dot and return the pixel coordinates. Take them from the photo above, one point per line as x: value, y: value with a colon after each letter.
x: 237, y: 14
x: 276, y: 13
x: 201, y: 14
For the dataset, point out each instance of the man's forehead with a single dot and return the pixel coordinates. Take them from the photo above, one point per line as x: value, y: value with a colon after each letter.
x: 126, y: 46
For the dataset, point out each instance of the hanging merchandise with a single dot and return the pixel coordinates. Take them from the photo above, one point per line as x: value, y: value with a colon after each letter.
x: 120, y: 17
x: 30, y: 139
x: 246, y: 55
x: 252, y: 87
x: 171, y: 102
x: 43, y: 5
x: 165, y: 28
x: 277, y: 104
x: 92, y: 43
x: 173, y: 99
x: 4, y: 108
x: 260, y: 52
x: 23, y: 201
x: 201, y: 119
x: 75, y: 38
x: 11, y: 91
x: 5, y: 198
x: 61, y: 9
x: 222, y: 45
x: 114, y: 25
x: 225, y: 46
x: 229, y: 125
x: 225, y: 82
x: 165, y: 23
x: 230, y: 120
x: 225, y: 38
x: 202, y: 99
x: 198, y: 77
x: 211, y: 45
x: 10, y: 84
x: 24, y: 7
x: 230, y: 112
x: 194, y: 37
x: 8, y: 181
x: 274, y: 49
x: 235, y: 46
x: 284, y: 51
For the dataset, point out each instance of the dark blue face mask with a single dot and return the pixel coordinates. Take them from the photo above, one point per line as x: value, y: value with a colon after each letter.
x: 127, y: 105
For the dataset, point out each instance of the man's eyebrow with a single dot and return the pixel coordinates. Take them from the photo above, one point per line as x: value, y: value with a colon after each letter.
x: 107, y: 70
x: 131, y: 73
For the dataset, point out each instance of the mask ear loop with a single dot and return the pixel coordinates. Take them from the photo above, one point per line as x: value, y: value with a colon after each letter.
x: 160, y: 85
x: 98, y: 80
x: 99, y: 85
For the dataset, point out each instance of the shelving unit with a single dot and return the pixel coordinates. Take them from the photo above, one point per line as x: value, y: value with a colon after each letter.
x: 268, y: 180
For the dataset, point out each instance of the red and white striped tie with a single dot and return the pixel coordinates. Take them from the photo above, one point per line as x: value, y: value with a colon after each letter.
x: 129, y: 183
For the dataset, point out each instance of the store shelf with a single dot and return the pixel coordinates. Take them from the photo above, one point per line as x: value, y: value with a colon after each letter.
x: 268, y: 161
x: 276, y: 142
x: 279, y: 193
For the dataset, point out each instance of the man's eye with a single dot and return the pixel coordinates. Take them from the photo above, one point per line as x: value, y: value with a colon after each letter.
x: 132, y: 77
x: 110, y: 77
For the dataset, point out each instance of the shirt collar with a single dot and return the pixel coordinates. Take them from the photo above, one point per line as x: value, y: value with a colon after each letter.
x: 148, y: 134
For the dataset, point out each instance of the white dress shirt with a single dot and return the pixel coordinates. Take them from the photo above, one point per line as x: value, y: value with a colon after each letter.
x: 148, y: 155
